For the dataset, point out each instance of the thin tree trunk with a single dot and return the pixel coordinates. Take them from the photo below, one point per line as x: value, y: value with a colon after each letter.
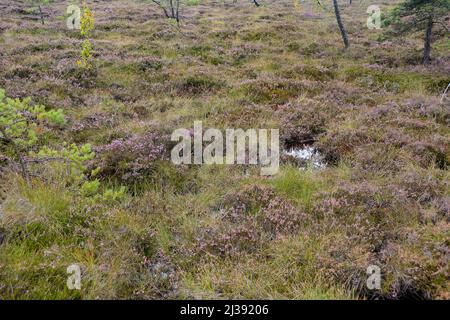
x: 427, y: 44
x: 172, y: 9
x: 41, y: 14
x: 24, y: 169
x: 340, y: 24
x: 162, y: 7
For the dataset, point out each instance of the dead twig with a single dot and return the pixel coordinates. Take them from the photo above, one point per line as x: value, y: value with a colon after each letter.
x: 445, y: 93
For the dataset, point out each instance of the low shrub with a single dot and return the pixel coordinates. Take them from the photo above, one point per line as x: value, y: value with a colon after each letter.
x: 133, y: 158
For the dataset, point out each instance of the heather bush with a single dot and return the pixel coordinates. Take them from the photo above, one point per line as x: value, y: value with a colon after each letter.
x: 244, y: 117
x: 338, y: 143
x: 229, y: 242
x: 375, y: 159
x: 83, y: 128
x: 273, y: 90
x: 244, y: 52
x: 424, y: 185
x: 378, y: 221
x: 252, y: 217
x: 150, y: 64
x: 198, y: 84
x: 133, y: 158
x: 417, y: 267
x: 429, y: 153
x: 320, y: 73
x: 300, y: 124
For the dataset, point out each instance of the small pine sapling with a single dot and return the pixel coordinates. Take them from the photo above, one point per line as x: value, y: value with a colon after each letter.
x: 20, y: 125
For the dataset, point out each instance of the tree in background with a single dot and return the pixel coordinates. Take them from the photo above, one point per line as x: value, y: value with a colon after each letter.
x: 255, y: 2
x: 420, y: 15
x: 340, y: 24
x: 171, y: 8
x: 37, y: 5
x: 337, y: 13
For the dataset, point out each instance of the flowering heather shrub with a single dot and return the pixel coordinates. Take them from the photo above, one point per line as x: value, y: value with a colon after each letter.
x: 198, y: 84
x: 21, y: 72
x: 281, y: 218
x: 150, y: 64
x: 250, y: 200
x: 370, y: 196
x: 312, y: 49
x: 338, y: 143
x: 368, y: 221
x: 93, y: 121
x: 248, y: 116
x: 320, y: 73
x: 65, y: 68
x: 433, y: 109
x: 428, y: 153
x: 402, y: 133
x: 245, y: 50
x: 230, y: 242
x: 417, y: 267
x: 131, y: 158
x: 261, y: 205
x: 252, y: 216
x: 379, y: 225
x: 163, y: 275
x: 408, y: 270
x: 423, y: 185
x: 300, y: 124
x: 273, y: 90
x: 367, y: 211
x: 377, y: 159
